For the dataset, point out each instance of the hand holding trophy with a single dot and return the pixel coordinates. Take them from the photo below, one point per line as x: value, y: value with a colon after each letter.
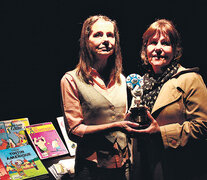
x: 137, y: 109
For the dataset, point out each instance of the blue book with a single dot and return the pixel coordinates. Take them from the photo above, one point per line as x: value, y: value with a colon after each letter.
x: 16, y: 131
x: 22, y: 163
x: 4, y: 139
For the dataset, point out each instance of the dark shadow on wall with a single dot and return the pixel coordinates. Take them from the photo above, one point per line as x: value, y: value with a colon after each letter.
x: 41, y: 41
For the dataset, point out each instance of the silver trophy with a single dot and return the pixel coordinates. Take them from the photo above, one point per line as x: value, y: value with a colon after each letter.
x: 137, y: 109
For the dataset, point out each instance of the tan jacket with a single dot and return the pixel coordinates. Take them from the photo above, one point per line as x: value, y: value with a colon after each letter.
x: 178, y: 153
x: 182, y: 103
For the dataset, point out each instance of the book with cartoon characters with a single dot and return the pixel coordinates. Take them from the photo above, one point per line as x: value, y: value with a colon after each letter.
x: 21, y: 163
x: 4, y: 175
x: 16, y: 131
x: 4, y: 139
x: 46, y: 140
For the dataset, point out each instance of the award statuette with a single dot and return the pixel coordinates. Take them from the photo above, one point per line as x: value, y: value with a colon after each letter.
x: 137, y: 108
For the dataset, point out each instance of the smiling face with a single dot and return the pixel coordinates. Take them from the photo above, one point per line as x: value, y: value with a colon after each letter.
x: 102, y: 39
x: 159, y: 52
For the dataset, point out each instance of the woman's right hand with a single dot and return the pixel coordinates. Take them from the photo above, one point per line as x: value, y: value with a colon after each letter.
x: 128, y: 126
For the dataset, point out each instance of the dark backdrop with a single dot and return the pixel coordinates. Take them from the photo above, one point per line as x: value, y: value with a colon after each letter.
x: 40, y: 42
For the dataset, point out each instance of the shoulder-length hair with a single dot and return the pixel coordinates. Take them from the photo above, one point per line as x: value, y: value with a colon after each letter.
x: 167, y: 29
x: 86, y: 58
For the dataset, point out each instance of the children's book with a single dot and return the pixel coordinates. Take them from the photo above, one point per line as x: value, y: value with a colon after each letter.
x: 46, y: 140
x: 4, y: 175
x: 70, y: 144
x: 4, y: 139
x: 16, y: 131
x: 22, y: 163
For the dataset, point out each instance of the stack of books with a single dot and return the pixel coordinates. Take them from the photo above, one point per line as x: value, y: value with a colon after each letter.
x: 18, y: 160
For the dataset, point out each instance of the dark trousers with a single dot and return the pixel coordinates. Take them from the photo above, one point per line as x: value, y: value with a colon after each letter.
x: 87, y: 170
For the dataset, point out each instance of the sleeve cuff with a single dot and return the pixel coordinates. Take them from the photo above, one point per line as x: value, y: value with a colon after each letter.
x: 79, y: 130
x: 171, y: 135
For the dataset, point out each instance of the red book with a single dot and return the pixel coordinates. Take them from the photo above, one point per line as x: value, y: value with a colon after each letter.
x: 4, y: 175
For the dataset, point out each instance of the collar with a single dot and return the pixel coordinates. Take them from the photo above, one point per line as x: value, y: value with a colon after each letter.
x: 175, y: 94
x: 182, y: 70
x: 99, y: 81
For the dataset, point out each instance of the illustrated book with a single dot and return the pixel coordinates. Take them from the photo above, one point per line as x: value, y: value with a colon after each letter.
x: 4, y: 139
x: 16, y: 131
x: 70, y: 144
x: 46, y: 140
x: 22, y: 163
x: 4, y: 175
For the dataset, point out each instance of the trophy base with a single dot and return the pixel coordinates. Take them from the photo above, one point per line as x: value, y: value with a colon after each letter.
x: 139, y: 115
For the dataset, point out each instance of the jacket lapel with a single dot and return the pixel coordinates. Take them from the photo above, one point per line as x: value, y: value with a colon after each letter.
x: 170, y: 91
x: 168, y: 94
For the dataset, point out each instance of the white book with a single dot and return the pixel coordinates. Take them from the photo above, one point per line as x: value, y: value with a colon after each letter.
x: 70, y: 144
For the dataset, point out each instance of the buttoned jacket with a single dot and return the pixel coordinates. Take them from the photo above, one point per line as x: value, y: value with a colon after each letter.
x: 181, y: 112
x: 181, y: 109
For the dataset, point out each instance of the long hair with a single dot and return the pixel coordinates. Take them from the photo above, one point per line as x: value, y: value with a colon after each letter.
x: 86, y: 58
x: 167, y: 29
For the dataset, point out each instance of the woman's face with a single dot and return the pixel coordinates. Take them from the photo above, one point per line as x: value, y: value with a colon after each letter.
x: 102, y: 39
x: 159, y: 52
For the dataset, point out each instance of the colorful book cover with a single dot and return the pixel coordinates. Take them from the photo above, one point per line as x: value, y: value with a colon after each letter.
x: 4, y: 139
x: 46, y: 140
x: 22, y: 163
x: 16, y: 131
x: 4, y: 175
x: 70, y: 144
